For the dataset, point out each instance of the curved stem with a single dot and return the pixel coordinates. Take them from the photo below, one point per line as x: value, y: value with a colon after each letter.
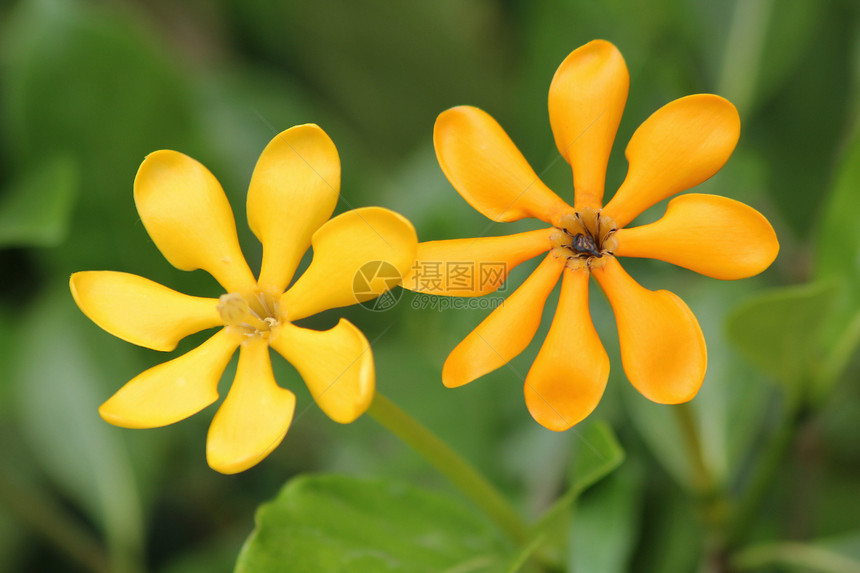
x: 450, y: 464
x: 703, y: 481
x: 794, y: 554
x: 763, y: 476
x: 836, y: 361
x: 710, y: 497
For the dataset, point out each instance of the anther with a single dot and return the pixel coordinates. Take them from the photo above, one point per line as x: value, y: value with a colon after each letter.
x: 236, y: 312
x: 587, y: 236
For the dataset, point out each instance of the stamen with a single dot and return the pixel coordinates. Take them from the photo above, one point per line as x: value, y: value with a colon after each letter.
x: 584, y: 238
x: 264, y: 302
x: 236, y: 312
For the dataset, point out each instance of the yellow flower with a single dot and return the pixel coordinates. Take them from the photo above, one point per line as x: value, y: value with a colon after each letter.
x: 293, y: 191
x: 681, y: 145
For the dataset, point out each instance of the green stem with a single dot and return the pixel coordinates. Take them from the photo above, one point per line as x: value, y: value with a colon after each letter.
x: 709, y: 496
x: 703, y: 482
x: 796, y: 555
x: 836, y: 361
x: 763, y: 476
x: 48, y: 519
x: 450, y: 464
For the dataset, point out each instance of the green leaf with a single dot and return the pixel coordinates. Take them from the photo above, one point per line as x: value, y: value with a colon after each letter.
x: 364, y: 62
x: 12, y: 535
x: 797, y: 147
x: 765, y: 41
x: 87, y: 80
x: 672, y: 539
x: 657, y: 426
x: 779, y: 331
x: 59, y: 382
x: 792, y: 25
x: 838, y: 240
x: 35, y: 210
x: 520, y: 559
x: 340, y: 524
x: 214, y: 554
x: 838, y: 555
x: 605, y: 529
x: 597, y: 454
x: 838, y: 258
x: 847, y: 544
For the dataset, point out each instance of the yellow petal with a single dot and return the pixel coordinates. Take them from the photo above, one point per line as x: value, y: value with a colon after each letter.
x: 712, y: 235
x: 506, y: 331
x: 568, y: 377
x: 586, y: 100
x: 346, y: 266
x: 189, y: 218
x: 293, y: 191
x: 254, y: 417
x: 172, y: 391
x: 681, y: 145
x: 662, y: 347
x: 487, y: 169
x: 141, y: 311
x: 472, y: 267
x: 336, y: 365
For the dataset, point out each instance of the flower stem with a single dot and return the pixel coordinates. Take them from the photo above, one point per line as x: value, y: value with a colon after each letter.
x: 763, y: 475
x: 703, y: 481
x: 450, y: 464
x: 713, y: 506
x: 791, y: 553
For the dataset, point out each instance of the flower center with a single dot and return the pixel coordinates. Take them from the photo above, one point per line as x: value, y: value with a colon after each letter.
x: 252, y: 315
x: 586, y: 238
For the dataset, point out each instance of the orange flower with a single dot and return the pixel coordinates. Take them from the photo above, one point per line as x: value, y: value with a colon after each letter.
x: 681, y: 145
x: 293, y: 191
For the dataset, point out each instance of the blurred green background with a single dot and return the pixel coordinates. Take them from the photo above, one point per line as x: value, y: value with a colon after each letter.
x: 87, y: 89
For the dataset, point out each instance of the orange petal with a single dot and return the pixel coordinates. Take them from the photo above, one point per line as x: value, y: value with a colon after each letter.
x: 567, y: 379
x: 189, y: 218
x: 254, y: 417
x: 487, y: 169
x: 712, y: 235
x: 336, y: 365
x: 141, y: 311
x: 586, y: 100
x: 662, y: 347
x: 472, y: 267
x: 681, y: 145
x: 506, y: 331
x: 172, y: 391
x: 293, y: 191
x: 358, y: 255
